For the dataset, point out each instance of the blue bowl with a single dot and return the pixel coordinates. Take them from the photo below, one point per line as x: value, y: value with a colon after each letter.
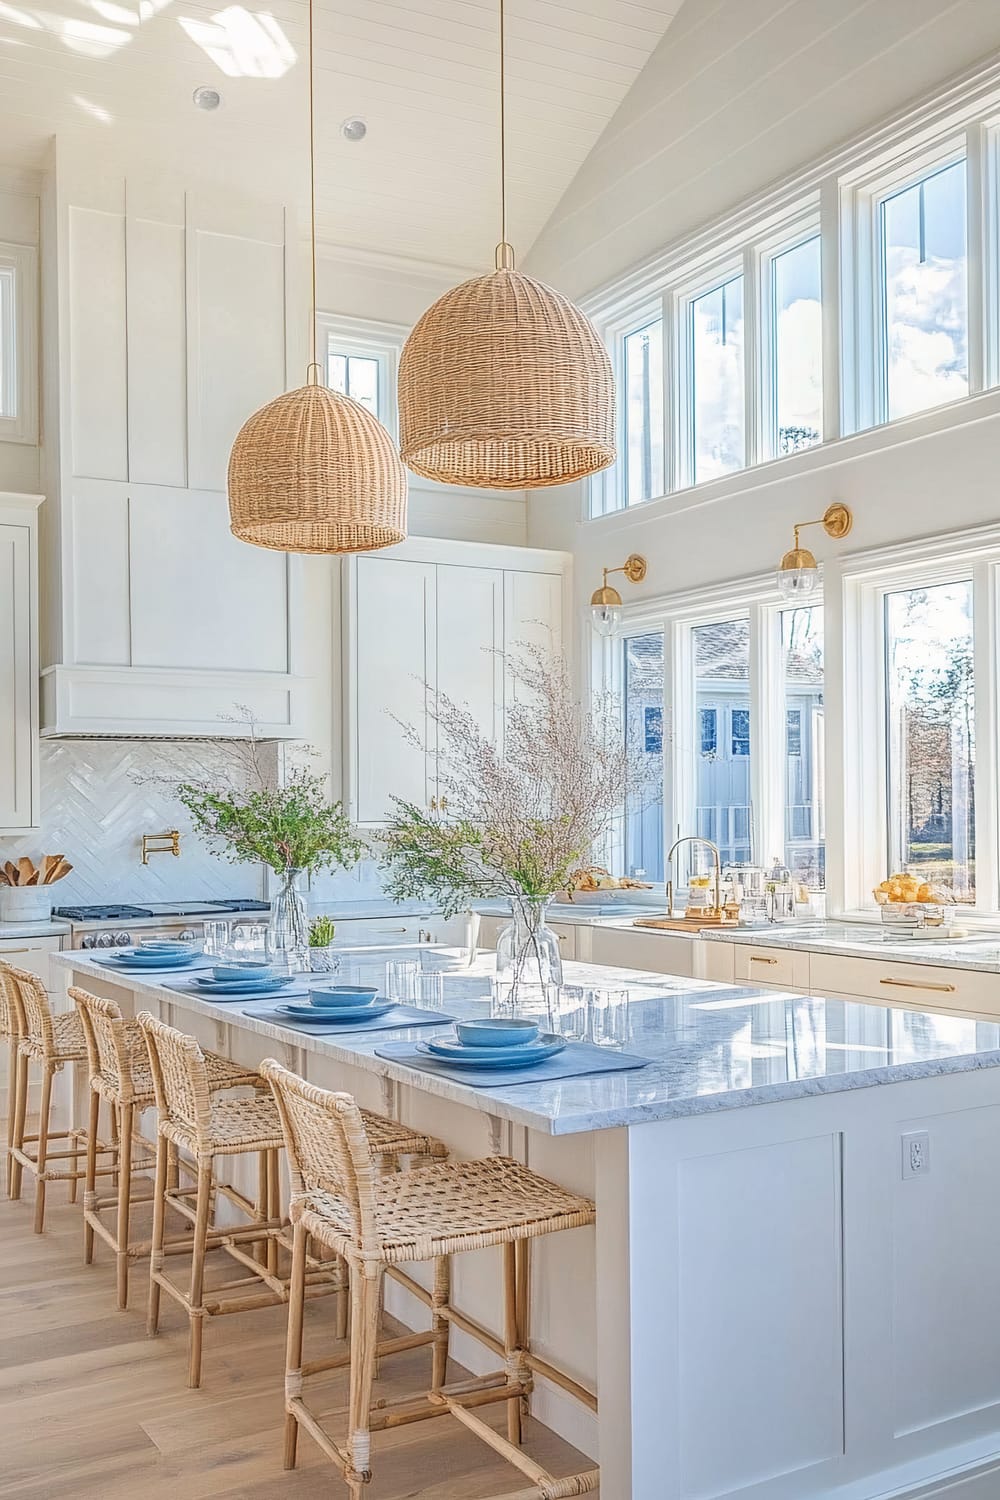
x: 242, y: 968
x: 329, y: 996
x: 497, y: 1032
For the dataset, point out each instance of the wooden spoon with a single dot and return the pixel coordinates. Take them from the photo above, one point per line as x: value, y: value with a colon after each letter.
x: 49, y: 865
x: 10, y: 870
x: 25, y: 870
x: 63, y: 868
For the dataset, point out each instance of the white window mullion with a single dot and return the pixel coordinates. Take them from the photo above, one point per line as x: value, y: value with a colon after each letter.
x: 977, y: 217
x: 986, y: 577
x: 680, y: 803
x: 754, y: 361
x: 990, y: 250
x: 672, y: 382
x: 767, y: 724
x: 833, y: 364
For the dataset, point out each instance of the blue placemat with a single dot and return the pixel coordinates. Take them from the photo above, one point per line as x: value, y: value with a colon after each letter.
x: 578, y: 1060
x: 198, y: 965
x: 392, y: 1020
x: 297, y: 990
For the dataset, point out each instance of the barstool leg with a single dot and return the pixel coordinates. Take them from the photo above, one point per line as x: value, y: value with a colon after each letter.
x: 195, y: 1311
x: 293, y: 1345
x: 20, y: 1110
x: 90, y: 1181
x: 442, y: 1327
x: 273, y: 1208
x: 511, y: 1334
x: 365, y: 1307
x: 156, y: 1246
x: 12, y: 1060
x: 43, y: 1148
x: 124, y: 1202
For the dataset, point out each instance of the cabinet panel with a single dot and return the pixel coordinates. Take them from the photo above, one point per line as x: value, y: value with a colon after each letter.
x: 236, y: 352
x: 787, y: 967
x: 630, y: 947
x: 157, y: 353
x: 394, y: 679
x: 470, y: 642
x: 199, y: 597
x: 922, y: 985
x: 16, y: 728
x: 97, y: 385
x: 100, y: 613
x: 533, y: 610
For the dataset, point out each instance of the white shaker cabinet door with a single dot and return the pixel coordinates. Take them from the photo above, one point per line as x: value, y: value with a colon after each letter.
x: 16, y: 727
x: 533, y: 611
x: 394, y: 683
x: 470, y: 642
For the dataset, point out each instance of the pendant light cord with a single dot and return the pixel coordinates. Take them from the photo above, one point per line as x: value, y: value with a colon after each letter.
x: 505, y: 250
x: 314, y: 370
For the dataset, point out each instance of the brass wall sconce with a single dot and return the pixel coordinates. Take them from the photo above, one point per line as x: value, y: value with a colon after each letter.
x: 161, y: 843
x: 798, y: 572
x: 606, y: 602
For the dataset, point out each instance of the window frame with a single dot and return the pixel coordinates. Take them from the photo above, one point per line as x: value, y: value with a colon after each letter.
x: 682, y: 436
x: 608, y: 490
x: 382, y: 342
x: 864, y: 831
x: 791, y: 236
x: 758, y: 601
x: 19, y: 344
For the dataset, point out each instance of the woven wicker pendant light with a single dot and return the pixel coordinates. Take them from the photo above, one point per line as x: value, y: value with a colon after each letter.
x: 313, y: 471
x: 503, y: 383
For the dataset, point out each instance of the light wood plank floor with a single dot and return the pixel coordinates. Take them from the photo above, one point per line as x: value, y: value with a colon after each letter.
x: 90, y: 1408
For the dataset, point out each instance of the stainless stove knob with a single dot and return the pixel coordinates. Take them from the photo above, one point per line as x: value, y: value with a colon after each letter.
x: 88, y: 941
x: 186, y: 935
x: 104, y: 940
x: 122, y: 939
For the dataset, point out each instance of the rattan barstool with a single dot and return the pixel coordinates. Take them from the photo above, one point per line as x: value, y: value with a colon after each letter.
x: 207, y: 1127
x: 119, y: 1073
x: 52, y: 1041
x: 376, y: 1223
x: 10, y: 1032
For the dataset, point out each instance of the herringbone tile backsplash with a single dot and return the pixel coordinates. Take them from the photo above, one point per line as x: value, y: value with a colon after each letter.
x: 95, y: 808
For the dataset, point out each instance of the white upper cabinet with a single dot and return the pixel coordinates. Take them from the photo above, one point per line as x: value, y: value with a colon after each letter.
x: 435, y: 618
x: 170, y: 315
x: 18, y: 664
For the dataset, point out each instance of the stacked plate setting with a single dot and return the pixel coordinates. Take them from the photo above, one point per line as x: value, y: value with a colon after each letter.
x: 153, y: 955
x: 338, y: 1004
x: 247, y: 977
x: 495, y: 1043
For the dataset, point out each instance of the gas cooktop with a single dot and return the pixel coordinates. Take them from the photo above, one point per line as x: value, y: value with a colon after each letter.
x: 156, y: 909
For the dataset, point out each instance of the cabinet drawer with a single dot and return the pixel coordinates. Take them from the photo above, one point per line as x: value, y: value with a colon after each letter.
x: 920, y: 985
x: 31, y: 954
x: 566, y: 934
x: 376, y: 932
x: 785, y: 967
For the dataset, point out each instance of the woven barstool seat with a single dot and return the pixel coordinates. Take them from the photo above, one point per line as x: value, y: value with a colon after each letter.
x: 50, y: 1040
x: 375, y: 1223
x: 120, y: 1074
x: 233, y: 1127
x: 431, y: 1211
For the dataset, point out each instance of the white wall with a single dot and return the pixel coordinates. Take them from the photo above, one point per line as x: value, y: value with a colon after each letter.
x: 738, y: 94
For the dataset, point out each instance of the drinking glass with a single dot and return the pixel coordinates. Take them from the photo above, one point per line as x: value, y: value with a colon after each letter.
x: 430, y: 990
x: 216, y: 937
x: 402, y: 977
x: 609, y: 1017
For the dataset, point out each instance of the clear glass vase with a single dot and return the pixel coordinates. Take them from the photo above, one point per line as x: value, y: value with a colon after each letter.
x: 529, y: 964
x: 288, y: 936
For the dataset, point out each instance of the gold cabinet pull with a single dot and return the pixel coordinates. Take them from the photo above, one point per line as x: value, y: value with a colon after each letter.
x: 911, y: 984
x: 7, y: 951
x: 755, y: 960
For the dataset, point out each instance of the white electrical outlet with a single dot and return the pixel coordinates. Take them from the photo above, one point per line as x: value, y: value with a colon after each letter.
x: 916, y: 1152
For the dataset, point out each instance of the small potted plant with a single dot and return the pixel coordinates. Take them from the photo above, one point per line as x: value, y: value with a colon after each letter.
x: 322, y: 959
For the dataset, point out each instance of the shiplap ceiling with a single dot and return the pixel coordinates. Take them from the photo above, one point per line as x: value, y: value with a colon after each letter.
x: 423, y: 75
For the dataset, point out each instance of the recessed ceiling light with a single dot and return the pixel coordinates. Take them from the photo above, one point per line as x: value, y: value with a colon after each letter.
x: 206, y: 98
x: 354, y: 129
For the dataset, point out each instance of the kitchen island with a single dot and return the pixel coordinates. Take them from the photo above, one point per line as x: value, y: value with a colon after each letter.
x: 790, y: 1291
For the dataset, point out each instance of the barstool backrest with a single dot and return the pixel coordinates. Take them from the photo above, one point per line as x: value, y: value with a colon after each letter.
x: 327, y: 1147
x: 36, y: 1012
x: 11, y: 1023
x: 180, y: 1077
x: 108, y: 1055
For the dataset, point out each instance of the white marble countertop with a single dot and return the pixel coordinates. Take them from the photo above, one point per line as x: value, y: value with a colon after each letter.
x: 711, y: 1047
x: 10, y: 930
x: 858, y: 940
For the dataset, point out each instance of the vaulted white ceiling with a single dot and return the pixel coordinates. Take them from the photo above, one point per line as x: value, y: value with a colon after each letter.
x: 421, y: 73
